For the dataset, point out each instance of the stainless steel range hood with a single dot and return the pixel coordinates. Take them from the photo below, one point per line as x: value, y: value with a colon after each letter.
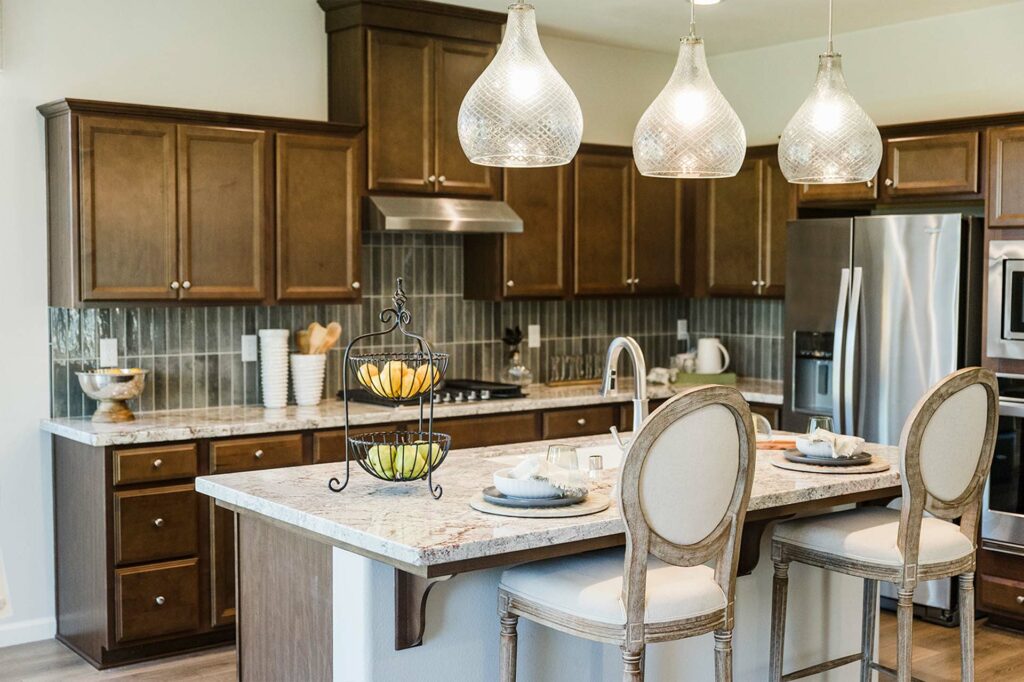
x: 434, y: 214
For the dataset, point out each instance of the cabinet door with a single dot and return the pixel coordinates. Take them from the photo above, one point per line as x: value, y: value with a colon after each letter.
x: 931, y: 165
x: 318, y: 217
x: 1006, y: 177
x: 846, y: 193
x: 222, y: 213
x: 733, y: 215
x: 779, y: 198
x: 458, y: 64
x: 535, y: 261
x: 602, y: 230
x: 129, y: 235
x: 222, y: 566
x: 400, y: 111
x: 657, y: 235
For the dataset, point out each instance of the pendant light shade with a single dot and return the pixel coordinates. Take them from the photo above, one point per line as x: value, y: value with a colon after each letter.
x: 520, y: 112
x: 830, y: 139
x: 690, y: 131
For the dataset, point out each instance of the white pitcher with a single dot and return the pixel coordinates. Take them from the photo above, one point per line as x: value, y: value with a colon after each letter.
x: 712, y: 357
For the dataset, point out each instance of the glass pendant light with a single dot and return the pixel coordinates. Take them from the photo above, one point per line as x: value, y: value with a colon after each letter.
x: 830, y: 139
x: 690, y: 131
x: 520, y: 112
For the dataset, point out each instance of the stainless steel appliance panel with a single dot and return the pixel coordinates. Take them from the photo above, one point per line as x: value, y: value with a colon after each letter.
x: 817, y: 253
x: 904, y: 326
x: 1002, y: 516
x: 1005, y: 338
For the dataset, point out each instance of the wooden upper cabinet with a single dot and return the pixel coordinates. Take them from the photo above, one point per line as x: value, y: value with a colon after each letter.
x: 458, y: 63
x: 129, y: 238
x: 733, y: 215
x: 932, y: 165
x: 657, y: 235
x: 318, y: 217
x: 535, y: 260
x: 400, y: 111
x: 1006, y: 177
x: 779, y: 208
x: 846, y: 193
x: 602, y: 231
x: 222, y: 213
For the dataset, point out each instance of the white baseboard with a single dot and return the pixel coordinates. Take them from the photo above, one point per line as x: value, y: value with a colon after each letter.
x: 21, y: 632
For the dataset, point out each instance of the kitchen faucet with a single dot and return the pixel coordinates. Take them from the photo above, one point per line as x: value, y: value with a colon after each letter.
x: 611, y: 364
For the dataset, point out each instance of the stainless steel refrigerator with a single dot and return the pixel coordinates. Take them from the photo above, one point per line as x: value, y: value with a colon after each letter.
x: 878, y: 309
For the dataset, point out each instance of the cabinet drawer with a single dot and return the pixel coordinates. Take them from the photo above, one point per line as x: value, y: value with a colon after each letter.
x: 158, y: 599
x: 495, y: 429
x: 1002, y: 594
x: 584, y: 421
x: 329, y: 446
x: 161, y: 463
x: 154, y: 524
x: 255, y: 453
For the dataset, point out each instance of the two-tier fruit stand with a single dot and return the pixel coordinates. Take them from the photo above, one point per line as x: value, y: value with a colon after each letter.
x: 396, y: 376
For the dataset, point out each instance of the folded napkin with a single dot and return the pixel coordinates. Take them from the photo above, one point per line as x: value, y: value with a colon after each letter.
x: 538, y: 468
x: 842, y: 446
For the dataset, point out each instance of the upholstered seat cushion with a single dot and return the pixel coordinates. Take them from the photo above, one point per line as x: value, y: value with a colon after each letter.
x: 589, y: 586
x: 870, y: 534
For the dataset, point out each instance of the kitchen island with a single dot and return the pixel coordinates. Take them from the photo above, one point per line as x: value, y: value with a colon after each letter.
x: 335, y: 585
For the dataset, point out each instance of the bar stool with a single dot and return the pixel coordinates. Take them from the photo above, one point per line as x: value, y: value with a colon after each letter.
x: 945, y: 455
x: 657, y: 588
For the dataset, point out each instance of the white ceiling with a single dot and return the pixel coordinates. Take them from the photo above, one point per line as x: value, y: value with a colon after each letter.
x: 727, y: 27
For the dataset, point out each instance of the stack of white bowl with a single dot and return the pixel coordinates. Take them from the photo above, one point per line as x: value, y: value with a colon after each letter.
x: 308, y: 378
x: 274, y: 366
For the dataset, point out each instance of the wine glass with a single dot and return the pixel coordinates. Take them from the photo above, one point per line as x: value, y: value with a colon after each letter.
x: 820, y: 422
x: 563, y: 456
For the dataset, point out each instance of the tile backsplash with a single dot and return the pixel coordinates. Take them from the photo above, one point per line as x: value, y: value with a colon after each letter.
x: 195, y: 359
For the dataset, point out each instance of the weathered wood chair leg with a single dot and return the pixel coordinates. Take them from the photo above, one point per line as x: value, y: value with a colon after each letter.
x: 967, y: 627
x: 509, y: 641
x: 632, y: 665
x: 723, y: 655
x: 780, y: 585
x: 867, y: 632
x: 904, y: 634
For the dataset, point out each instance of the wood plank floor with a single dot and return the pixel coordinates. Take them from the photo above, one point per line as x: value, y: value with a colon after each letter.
x: 999, y: 655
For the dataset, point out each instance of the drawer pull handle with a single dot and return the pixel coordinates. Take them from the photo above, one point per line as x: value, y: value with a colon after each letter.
x: 582, y: 421
x: 258, y: 454
x: 159, y: 523
x: 1020, y: 598
x: 160, y: 600
x: 157, y: 463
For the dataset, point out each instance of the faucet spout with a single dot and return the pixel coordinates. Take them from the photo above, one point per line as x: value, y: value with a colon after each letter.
x: 636, y: 355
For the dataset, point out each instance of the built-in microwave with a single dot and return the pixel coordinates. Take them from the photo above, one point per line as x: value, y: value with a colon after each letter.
x: 1005, y: 338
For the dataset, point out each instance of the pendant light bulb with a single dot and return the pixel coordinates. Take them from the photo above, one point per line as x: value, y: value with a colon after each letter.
x: 690, y: 131
x: 830, y: 139
x: 520, y: 112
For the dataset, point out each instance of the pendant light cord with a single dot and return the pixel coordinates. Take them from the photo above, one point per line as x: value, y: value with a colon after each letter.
x: 693, y: 24
x: 829, y: 51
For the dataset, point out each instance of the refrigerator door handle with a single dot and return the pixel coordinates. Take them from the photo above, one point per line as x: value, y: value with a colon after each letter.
x: 837, y: 348
x: 851, y: 350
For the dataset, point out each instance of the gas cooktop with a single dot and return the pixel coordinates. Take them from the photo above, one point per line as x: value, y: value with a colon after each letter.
x: 450, y: 391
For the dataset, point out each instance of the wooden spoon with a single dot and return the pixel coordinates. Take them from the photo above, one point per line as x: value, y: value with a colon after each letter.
x: 317, y: 335
x: 302, y: 341
x: 331, y: 337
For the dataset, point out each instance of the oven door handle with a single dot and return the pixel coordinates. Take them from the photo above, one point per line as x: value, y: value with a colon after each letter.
x: 1011, y: 408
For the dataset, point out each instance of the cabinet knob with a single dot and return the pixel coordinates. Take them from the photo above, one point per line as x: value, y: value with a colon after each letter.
x: 431, y: 178
x: 582, y: 421
x: 510, y: 283
x: 442, y: 179
x: 629, y: 280
x: 258, y: 454
x: 1020, y: 598
x: 762, y: 283
x: 356, y: 285
x: 636, y: 280
x: 159, y: 523
x: 870, y: 183
x: 157, y: 463
x: 186, y: 284
x: 175, y: 285
x: 753, y: 282
x: 888, y: 182
x: 160, y: 600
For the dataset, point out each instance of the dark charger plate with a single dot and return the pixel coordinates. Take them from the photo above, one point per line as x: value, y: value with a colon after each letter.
x: 801, y: 458
x: 495, y: 496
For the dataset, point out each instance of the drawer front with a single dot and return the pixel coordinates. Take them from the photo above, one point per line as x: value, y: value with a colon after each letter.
x: 585, y: 421
x: 1001, y: 594
x: 161, y: 463
x: 245, y: 454
x: 329, y: 446
x: 155, y: 600
x: 154, y: 524
x: 495, y: 429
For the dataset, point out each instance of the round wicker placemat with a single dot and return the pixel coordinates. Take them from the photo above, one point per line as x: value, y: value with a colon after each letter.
x: 876, y: 466
x: 595, y: 502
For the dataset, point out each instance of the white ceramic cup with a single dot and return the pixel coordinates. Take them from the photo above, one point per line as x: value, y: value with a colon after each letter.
x: 308, y: 378
x: 712, y: 357
x: 274, y: 366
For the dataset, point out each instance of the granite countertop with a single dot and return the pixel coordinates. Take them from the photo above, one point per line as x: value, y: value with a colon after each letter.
x: 400, y: 522
x: 218, y: 422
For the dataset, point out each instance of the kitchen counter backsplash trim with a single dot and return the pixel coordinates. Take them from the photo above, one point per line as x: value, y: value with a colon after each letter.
x: 193, y: 353
x: 177, y: 425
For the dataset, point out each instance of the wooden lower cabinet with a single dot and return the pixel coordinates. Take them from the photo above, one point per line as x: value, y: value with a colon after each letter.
x: 1000, y: 584
x: 156, y: 600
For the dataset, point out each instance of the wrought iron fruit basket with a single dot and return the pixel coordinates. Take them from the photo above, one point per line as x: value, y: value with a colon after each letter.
x: 399, y: 376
